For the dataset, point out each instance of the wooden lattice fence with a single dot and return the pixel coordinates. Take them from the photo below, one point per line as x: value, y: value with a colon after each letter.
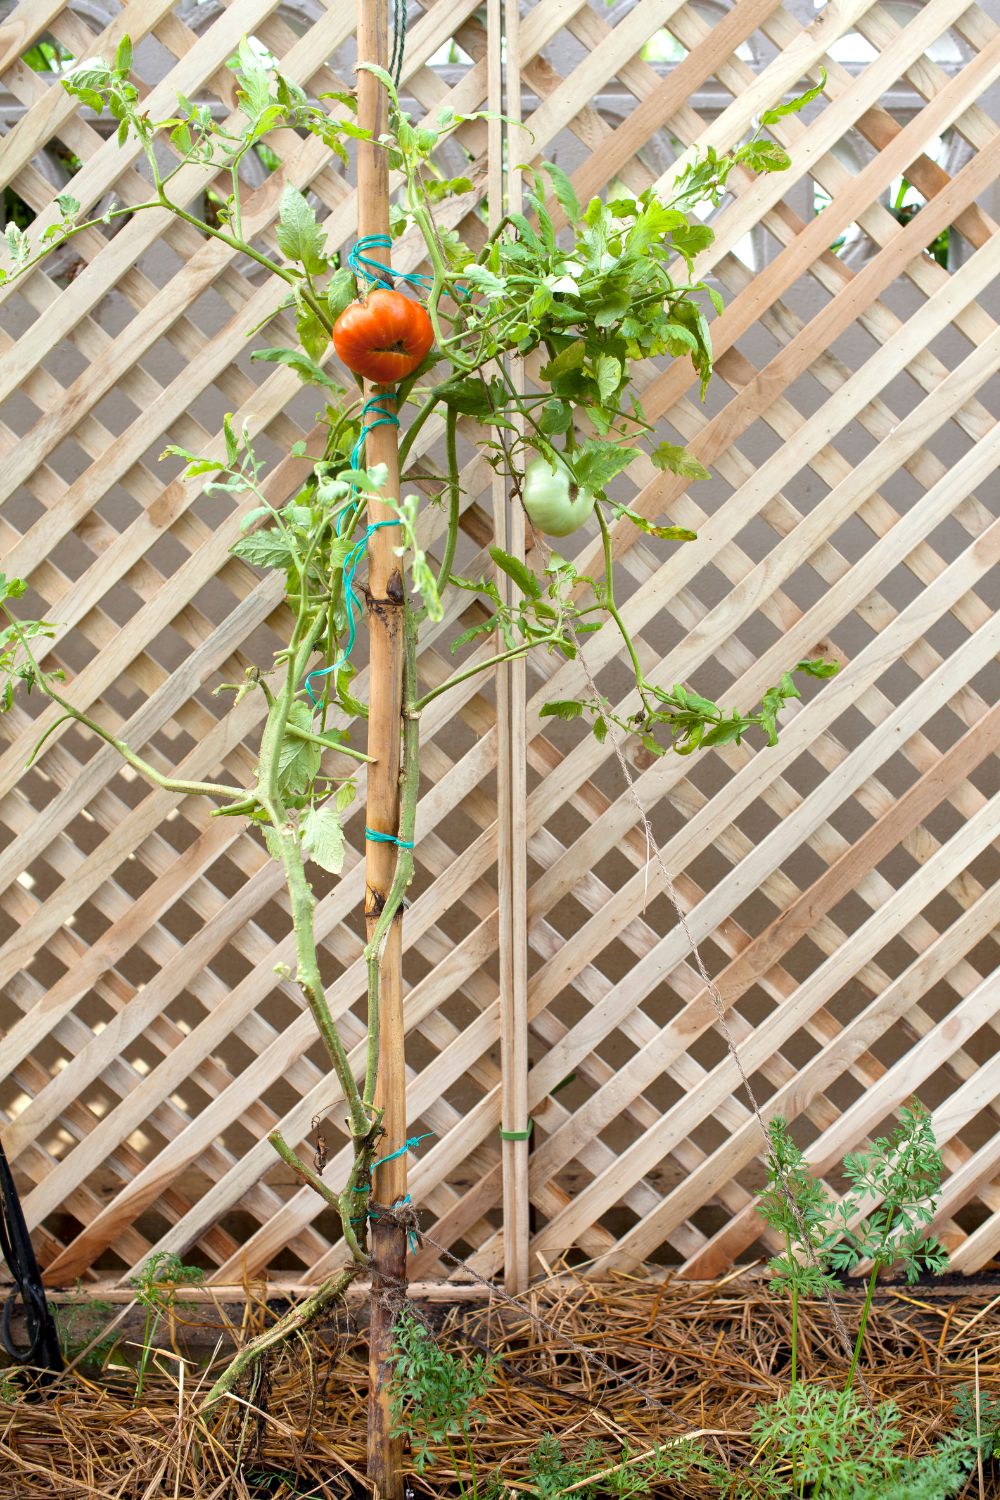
x: 842, y: 884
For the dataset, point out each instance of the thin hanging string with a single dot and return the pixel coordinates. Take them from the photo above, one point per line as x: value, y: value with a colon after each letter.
x: 717, y: 1001
x: 720, y: 1009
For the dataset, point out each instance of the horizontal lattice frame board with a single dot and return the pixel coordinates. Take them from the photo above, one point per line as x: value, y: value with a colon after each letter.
x: 841, y: 883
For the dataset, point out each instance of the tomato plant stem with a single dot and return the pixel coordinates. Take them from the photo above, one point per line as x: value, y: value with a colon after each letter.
x: 612, y: 607
x: 454, y: 500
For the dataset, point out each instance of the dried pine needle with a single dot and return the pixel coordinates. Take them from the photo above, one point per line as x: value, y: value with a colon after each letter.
x: 695, y: 1356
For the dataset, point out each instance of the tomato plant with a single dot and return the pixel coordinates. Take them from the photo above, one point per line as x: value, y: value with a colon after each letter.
x: 614, y: 286
x: 384, y: 338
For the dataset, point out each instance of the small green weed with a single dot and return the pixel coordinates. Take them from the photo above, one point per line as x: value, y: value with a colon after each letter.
x: 820, y: 1442
x: 434, y: 1395
x: 982, y: 1426
x: 79, y: 1323
x: 845, y: 1450
x: 551, y: 1472
x: 899, y: 1175
x: 155, y: 1290
x: 602, y: 1471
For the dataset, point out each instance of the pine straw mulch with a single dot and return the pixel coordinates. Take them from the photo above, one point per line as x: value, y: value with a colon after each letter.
x: 699, y: 1359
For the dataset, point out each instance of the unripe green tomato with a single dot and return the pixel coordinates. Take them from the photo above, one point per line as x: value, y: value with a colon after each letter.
x: 554, y: 501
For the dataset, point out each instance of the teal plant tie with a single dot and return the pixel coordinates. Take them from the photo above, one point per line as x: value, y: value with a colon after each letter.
x: 374, y: 271
x: 410, y: 1145
x: 382, y: 417
x: 374, y: 837
x: 518, y: 1135
x: 372, y: 409
x: 351, y: 563
x: 364, y: 266
x: 400, y: 1203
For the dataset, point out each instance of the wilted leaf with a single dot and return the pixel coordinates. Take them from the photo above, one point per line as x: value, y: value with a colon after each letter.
x: 323, y: 838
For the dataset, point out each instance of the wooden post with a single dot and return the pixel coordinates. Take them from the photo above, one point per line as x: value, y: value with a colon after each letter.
x: 385, y: 619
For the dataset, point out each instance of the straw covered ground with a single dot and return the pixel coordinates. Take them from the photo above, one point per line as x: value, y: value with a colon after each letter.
x: 625, y: 1359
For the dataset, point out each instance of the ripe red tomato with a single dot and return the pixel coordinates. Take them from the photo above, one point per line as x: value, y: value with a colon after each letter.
x: 385, y: 337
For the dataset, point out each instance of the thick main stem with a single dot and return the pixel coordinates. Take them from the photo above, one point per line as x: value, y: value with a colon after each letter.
x: 297, y: 1320
x: 385, y: 610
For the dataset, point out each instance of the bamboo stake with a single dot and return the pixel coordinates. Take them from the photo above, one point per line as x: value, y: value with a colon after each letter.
x: 512, y: 793
x: 385, y: 621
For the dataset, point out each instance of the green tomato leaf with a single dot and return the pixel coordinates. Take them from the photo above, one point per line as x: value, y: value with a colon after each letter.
x: 439, y: 188
x: 818, y: 668
x: 180, y: 139
x: 609, y: 374
x: 264, y: 549
x: 173, y: 451
x: 323, y: 837
x: 730, y: 731
x: 255, y: 93
x: 299, y: 235
x: 123, y: 57
x: 690, y: 239
x: 596, y: 464
x: 201, y: 466
x: 232, y: 442
x: 568, y: 359
x: 313, y: 336
x: 564, y: 191
x: 517, y: 571
x: 678, y: 461
x: 665, y: 533
x: 482, y: 280
x: 467, y: 395
x: 765, y: 156
x: 653, y: 224
x: 17, y: 243
x: 383, y: 77
x: 307, y: 370
x: 564, y: 708
x: 771, y: 116
x: 556, y: 418
x: 485, y: 627
x: 611, y: 310
x: 298, y: 760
